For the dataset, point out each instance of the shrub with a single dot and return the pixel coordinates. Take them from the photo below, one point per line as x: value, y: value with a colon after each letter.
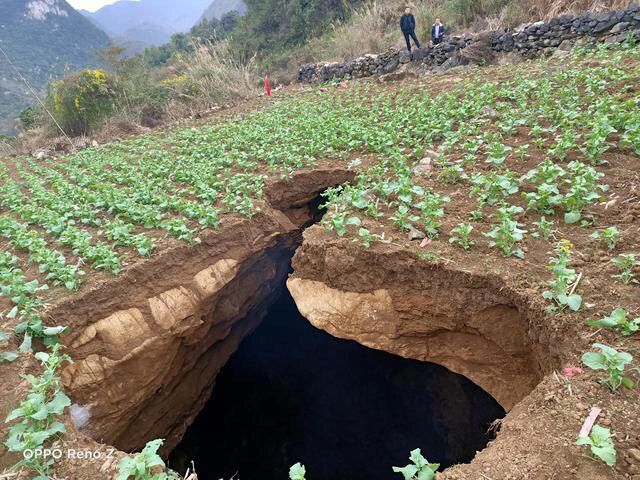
x: 80, y: 101
x: 28, y: 118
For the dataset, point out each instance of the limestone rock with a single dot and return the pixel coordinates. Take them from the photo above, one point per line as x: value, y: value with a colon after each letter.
x: 41, y: 155
x: 116, y: 329
x: 619, y: 27
x: 173, y: 306
x: 405, y: 56
x: 415, y: 234
x: 424, y: 166
x: 212, y: 279
x: 566, y: 45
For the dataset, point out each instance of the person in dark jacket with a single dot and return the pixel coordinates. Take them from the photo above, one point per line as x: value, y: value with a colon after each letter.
x: 437, y: 32
x: 408, y: 27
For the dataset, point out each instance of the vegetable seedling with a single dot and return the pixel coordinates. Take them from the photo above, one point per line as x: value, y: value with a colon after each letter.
x: 601, y: 444
x: 612, y: 363
x: 619, y: 321
x: 419, y: 468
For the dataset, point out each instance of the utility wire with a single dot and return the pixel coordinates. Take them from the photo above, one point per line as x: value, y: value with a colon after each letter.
x: 33, y: 92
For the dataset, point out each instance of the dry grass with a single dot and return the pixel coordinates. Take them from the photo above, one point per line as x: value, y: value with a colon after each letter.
x: 8, y: 147
x: 213, y: 76
x: 367, y: 31
x: 547, y: 9
x: 373, y: 28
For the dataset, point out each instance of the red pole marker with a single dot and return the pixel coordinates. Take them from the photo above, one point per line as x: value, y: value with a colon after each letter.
x: 267, y: 85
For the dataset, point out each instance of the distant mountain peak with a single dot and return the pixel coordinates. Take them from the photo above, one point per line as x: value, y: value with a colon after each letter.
x: 39, y: 9
x: 218, y: 8
x: 152, y: 22
x: 44, y: 39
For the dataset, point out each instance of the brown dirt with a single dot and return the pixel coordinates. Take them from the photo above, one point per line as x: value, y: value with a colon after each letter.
x: 152, y: 339
x: 447, y: 300
x: 432, y: 316
x: 422, y: 302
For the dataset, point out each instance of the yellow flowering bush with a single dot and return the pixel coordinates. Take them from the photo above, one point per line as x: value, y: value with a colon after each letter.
x: 81, y: 100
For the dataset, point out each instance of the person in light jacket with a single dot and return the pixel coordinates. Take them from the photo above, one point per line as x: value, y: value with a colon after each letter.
x: 437, y: 32
x: 408, y: 27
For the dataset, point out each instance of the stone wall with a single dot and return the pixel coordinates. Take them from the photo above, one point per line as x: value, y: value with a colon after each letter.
x: 530, y: 40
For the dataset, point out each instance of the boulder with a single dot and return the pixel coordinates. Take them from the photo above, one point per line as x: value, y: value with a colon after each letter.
x: 415, y: 234
x: 405, y: 56
x: 604, y: 25
x: 41, y: 155
x: 390, y: 66
x: 420, y: 53
x: 619, y: 27
x: 425, y: 166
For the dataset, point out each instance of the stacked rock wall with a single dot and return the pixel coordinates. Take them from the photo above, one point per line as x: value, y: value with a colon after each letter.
x: 529, y: 40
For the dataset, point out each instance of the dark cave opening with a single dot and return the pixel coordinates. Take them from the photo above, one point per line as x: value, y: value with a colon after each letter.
x: 293, y: 393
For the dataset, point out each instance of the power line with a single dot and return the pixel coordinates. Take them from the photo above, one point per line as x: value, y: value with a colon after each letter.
x: 33, y: 92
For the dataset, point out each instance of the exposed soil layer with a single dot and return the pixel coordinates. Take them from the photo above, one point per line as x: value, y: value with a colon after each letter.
x: 462, y: 322
x: 146, y: 357
x: 147, y: 344
x: 474, y: 323
x: 401, y: 298
x: 293, y: 393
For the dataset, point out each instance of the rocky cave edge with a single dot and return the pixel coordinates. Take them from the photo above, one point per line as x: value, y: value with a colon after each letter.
x: 147, y: 345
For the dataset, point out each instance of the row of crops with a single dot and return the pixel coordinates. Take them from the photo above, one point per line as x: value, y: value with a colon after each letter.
x: 96, y: 208
x: 101, y: 208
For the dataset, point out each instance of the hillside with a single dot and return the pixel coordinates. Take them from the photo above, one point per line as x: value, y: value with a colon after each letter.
x: 485, y: 220
x: 149, y: 21
x: 44, y: 39
x: 219, y: 7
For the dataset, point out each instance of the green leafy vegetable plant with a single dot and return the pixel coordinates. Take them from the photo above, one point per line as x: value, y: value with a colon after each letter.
x: 507, y: 233
x: 610, y: 236
x: 601, y: 444
x: 612, y: 363
x: 6, y: 356
x: 461, y: 236
x: 146, y: 465
x: 297, y: 472
x: 626, y: 262
x: 419, y: 468
x: 35, y: 422
x: 365, y: 237
x: 544, y: 228
x: 583, y: 190
x: 563, y: 277
x: 618, y: 320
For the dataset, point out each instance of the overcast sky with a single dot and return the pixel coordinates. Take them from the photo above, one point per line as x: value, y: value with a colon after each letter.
x: 91, y: 5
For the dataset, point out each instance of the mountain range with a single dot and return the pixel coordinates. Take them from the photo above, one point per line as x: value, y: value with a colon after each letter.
x: 43, y: 39
x: 152, y: 22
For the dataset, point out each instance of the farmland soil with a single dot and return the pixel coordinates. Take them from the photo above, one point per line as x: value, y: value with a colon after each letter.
x: 148, y: 345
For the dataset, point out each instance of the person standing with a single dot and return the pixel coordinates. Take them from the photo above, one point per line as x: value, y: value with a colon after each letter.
x: 437, y: 31
x: 408, y: 27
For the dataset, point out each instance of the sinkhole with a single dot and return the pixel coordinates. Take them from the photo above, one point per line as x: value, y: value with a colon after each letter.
x: 293, y: 393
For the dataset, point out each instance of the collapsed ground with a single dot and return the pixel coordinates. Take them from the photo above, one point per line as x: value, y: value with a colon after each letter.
x: 541, y: 157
